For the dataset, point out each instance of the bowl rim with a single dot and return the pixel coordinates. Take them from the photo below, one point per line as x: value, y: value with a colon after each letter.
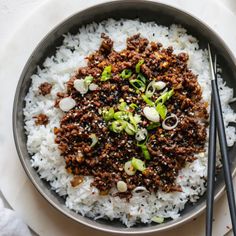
x: 82, y: 219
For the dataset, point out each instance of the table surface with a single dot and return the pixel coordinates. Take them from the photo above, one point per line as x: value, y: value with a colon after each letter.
x: 15, y: 13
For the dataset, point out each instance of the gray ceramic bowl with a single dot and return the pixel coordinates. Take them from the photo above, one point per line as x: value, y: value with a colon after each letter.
x: 146, y: 11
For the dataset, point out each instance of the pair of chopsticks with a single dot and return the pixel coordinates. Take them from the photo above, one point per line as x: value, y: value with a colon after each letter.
x: 216, y: 123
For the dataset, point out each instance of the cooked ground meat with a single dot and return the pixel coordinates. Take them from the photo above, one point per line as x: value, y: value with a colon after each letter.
x: 41, y: 119
x: 169, y: 150
x: 45, y: 88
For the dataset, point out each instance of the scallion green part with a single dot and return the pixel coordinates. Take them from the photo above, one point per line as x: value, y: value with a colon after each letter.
x: 133, y: 106
x: 165, y: 96
x: 126, y: 73
x: 138, y: 85
x: 122, y: 106
x: 130, y: 129
x: 138, y: 66
x: 147, y: 100
x: 142, y: 78
x: 117, y: 126
x: 138, y: 164
x: 120, y: 115
x: 108, y: 114
x: 88, y: 80
x: 162, y: 110
x: 106, y: 74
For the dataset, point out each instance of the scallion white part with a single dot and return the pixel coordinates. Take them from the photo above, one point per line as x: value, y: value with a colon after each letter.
x: 151, y: 114
x: 167, y: 127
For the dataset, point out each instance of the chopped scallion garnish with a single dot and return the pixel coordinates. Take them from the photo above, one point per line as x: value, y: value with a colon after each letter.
x: 122, y: 106
x: 142, y: 78
x: 138, y: 66
x: 88, y: 80
x: 138, y: 85
x: 106, y: 74
x: 120, y: 115
x: 108, y: 114
x: 162, y: 110
x: 126, y: 73
x: 117, y: 126
x: 165, y: 96
x: 138, y: 164
x: 147, y: 100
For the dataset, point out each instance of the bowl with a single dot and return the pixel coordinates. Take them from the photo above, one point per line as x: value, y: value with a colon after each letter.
x: 130, y: 9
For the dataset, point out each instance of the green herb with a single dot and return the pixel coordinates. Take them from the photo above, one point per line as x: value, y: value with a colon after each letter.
x: 106, y: 74
x: 122, y: 106
x: 126, y: 73
x: 165, y: 96
x: 147, y: 100
x: 142, y: 78
x: 133, y: 121
x: 117, y: 126
x: 88, y: 80
x: 153, y: 125
x: 133, y: 106
x: 138, y: 85
x: 162, y: 110
x: 108, y: 115
x: 145, y: 151
x: 120, y: 115
x: 130, y: 129
x: 158, y: 219
x: 138, y: 164
x: 138, y: 66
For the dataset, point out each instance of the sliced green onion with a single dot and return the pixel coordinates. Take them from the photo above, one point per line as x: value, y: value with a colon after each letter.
x: 162, y: 110
x: 120, y: 115
x: 88, y: 80
x: 138, y: 85
x: 108, y: 115
x: 133, y: 106
x: 137, y: 118
x: 138, y: 66
x: 132, y: 120
x: 157, y: 219
x: 117, y: 126
x: 129, y: 169
x: 147, y: 100
x: 106, y: 74
x: 138, y: 164
x: 165, y: 96
x: 153, y: 125
x: 94, y: 139
x: 126, y: 73
x: 159, y: 85
x: 142, y: 78
x: 150, y: 89
x: 130, y: 129
x: 122, y: 106
x: 145, y: 151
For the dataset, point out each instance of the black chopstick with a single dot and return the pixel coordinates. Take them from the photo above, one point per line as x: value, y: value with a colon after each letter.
x: 211, y: 167
x: 223, y: 146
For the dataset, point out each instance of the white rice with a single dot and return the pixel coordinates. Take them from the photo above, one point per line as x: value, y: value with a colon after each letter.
x: 85, y: 199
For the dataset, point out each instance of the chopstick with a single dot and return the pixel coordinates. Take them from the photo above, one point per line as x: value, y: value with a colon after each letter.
x: 223, y: 146
x: 211, y: 167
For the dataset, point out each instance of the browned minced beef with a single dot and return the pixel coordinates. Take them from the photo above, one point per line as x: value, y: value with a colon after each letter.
x: 45, y: 88
x: 41, y: 119
x: 170, y: 150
